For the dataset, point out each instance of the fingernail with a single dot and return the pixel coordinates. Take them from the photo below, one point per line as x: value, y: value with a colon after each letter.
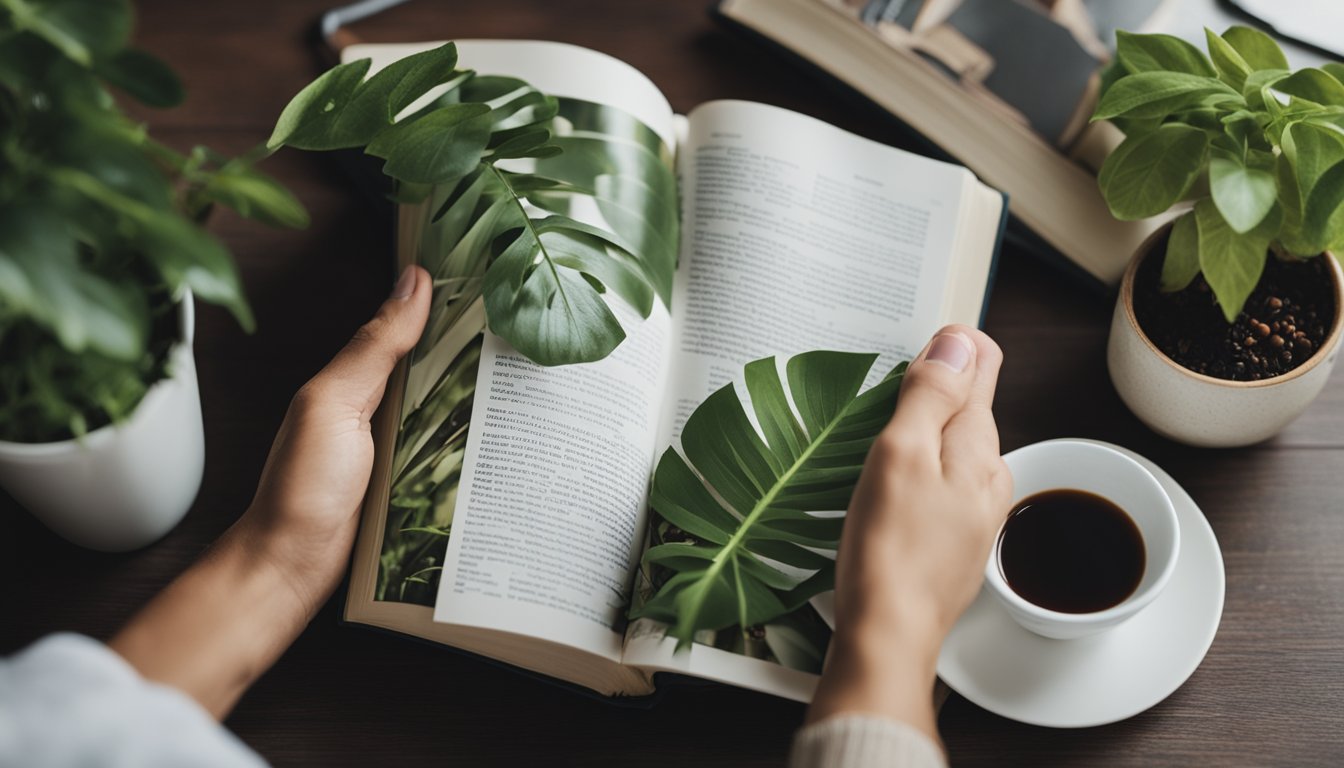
x: 951, y: 349
x: 405, y: 284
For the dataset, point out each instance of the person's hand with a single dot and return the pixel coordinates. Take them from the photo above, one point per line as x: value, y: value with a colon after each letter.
x: 920, y: 527
x: 306, y: 509
x: 224, y: 621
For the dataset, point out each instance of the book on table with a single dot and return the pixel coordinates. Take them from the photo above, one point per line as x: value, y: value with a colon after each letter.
x: 508, y: 510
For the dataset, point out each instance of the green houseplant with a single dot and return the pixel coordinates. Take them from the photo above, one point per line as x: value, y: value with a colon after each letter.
x: 101, y: 248
x: 1225, y: 334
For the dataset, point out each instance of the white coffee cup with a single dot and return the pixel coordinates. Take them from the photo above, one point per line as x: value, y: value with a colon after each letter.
x: 1077, y: 465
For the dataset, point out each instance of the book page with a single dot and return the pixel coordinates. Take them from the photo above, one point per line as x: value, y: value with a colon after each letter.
x: 513, y: 495
x: 552, y: 499
x: 557, y: 69
x: 796, y: 236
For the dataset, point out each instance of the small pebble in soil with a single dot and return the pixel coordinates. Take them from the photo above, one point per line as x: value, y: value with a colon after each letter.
x: 1283, y: 323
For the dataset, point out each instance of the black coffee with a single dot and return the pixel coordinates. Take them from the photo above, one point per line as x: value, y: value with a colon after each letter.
x: 1071, y: 551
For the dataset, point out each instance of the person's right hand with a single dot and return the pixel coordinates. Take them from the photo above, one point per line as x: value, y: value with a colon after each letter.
x: 920, y: 527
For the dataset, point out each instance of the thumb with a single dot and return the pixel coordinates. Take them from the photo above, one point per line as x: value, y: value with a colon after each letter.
x: 358, y: 374
x: 936, y: 387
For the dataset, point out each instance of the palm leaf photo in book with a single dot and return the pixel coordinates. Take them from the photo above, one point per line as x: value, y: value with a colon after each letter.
x: 754, y: 547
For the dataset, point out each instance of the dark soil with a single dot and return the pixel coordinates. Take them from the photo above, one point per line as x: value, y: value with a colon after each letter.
x: 1284, y: 322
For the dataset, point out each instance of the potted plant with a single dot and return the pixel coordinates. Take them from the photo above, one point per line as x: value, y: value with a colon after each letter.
x: 101, y: 251
x: 1229, y: 318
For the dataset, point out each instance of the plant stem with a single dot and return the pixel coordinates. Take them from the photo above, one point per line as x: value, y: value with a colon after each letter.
x: 536, y: 236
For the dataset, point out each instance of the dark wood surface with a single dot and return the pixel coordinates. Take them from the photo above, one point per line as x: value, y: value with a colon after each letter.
x: 1270, y: 692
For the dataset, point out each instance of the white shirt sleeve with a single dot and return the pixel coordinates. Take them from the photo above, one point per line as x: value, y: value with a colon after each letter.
x: 862, y: 741
x: 68, y: 700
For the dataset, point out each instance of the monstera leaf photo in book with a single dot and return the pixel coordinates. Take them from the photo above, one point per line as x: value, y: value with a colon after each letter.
x: 610, y: 162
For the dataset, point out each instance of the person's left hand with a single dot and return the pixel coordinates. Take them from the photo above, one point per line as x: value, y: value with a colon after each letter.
x: 229, y: 616
x: 307, y: 504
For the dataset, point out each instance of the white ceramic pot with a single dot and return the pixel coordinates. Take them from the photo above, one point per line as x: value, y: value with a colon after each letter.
x: 125, y: 485
x: 1202, y: 410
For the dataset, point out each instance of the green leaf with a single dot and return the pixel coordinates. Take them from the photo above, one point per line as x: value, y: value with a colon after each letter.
x: 340, y: 109
x: 741, y: 493
x: 1257, y: 49
x: 1181, y: 263
x: 1256, y: 84
x: 83, y: 30
x: 415, y: 75
x: 44, y: 280
x: 1149, y: 172
x: 187, y: 256
x: 377, y: 102
x: 182, y: 252
x: 1244, y: 129
x: 1314, y: 85
x: 1160, y: 53
x: 515, y: 107
x: 255, y: 195
x: 437, y: 148
x: 1110, y: 75
x: 1290, y: 202
x: 1244, y: 195
x: 1309, y: 150
x: 144, y: 77
x: 1158, y: 94
x: 308, y: 120
x: 543, y: 304
x: 796, y: 644
x: 1323, y: 212
x: 115, y: 160
x: 1232, y: 68
x: 634, y: 191
x: 596, y: 258
x: 1231, y: 262
x: 1335, y: 69
x: 428, y: 529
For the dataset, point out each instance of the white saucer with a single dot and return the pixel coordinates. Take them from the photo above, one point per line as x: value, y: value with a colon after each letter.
x: 998, y: 665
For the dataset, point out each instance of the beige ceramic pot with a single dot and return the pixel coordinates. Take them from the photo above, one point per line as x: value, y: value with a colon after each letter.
x: 1202, y: 410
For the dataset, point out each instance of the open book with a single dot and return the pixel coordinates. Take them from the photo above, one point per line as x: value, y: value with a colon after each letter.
x: 1004, y: 86
x: 508, y: 509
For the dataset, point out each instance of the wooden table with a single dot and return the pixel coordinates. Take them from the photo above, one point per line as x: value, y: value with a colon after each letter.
x: 1270, y: 692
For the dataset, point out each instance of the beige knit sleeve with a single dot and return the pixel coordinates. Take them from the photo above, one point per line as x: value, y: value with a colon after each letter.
x: 861, y: 741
